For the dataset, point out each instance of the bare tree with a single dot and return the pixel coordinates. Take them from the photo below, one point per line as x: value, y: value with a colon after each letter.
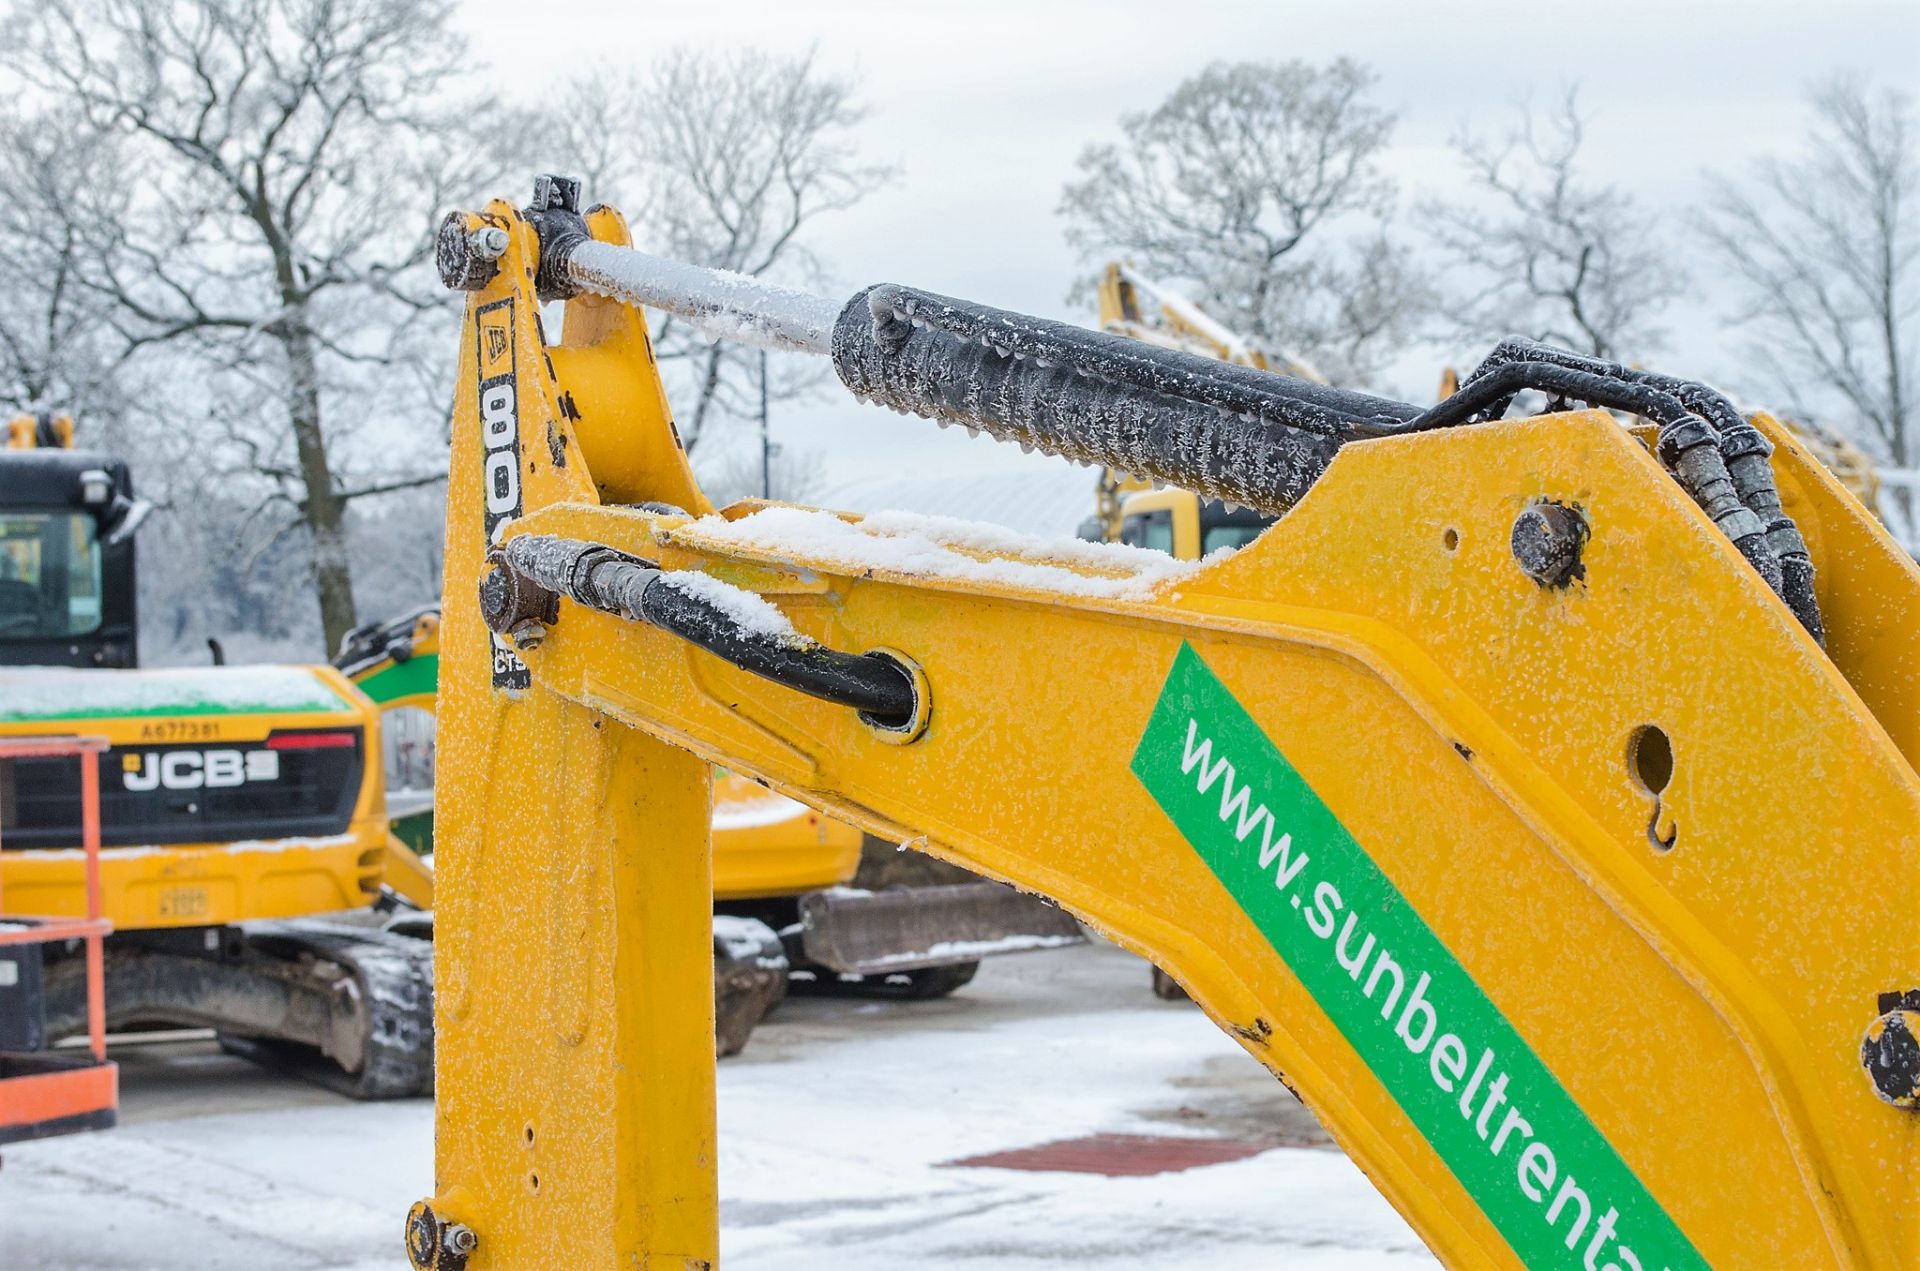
x: 1255, y: 187
x: 268, y: 215
x: 790, y: 475
x: 57, y: 349
x: 1826, y: 249
x: 725, y: 160
x: 1566, y: 261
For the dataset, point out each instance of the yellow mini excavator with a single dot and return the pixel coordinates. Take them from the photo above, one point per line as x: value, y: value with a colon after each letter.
x: 1536, y: 796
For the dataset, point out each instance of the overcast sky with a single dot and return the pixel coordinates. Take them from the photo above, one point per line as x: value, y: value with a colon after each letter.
x: 984, y: 106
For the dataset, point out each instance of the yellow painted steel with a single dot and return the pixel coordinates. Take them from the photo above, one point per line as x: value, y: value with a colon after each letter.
x: 396, y: 683
x: 1704, y: 1006
x: 407, y: 873
x: 1865, y: 583
x: 765, y: 846
x: 199, y: 884
x: 23, y: 432
x: 1851, y: 466
x: 573, y: 934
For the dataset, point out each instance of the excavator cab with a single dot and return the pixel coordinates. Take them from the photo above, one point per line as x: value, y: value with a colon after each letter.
x: 67, y: 585
x: 1186, y: 526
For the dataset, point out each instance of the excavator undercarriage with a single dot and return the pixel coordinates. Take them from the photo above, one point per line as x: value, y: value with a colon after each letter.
x: 1536, y: 797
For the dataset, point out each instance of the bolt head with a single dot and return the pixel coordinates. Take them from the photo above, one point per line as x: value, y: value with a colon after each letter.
x: 1890, y: 1053
x: 1547, y: 542
x: 514, y: 605
x: 497, y: 598
x: 461, y: 266
x: 434, y: 1244
x: 489, y: 242
x: 528, y: 633
x: 423, y: 1237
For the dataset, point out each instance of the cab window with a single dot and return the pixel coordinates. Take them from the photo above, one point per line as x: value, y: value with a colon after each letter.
x: 1149, y: 529
x: 49, y: 576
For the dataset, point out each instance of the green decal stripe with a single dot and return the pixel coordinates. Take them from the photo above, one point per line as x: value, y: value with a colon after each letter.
x: 1493, y: 1112
x: 419, y: 674
x: 329, y: 705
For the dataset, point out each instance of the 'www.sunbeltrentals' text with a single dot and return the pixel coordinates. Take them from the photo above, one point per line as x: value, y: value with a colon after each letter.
x: 1481, y: 1085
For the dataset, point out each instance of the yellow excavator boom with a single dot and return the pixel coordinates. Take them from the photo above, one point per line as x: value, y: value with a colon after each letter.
x: 1496, y: 798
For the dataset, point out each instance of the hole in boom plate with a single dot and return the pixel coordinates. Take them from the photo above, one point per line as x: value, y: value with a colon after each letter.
x: 1650, y: 759
x: 1650, y: 765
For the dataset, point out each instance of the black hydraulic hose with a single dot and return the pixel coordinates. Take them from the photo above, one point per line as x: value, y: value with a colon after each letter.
x: 1743, y: 448
x: 613, y: 582
x: 874, y: 686
x: 1709, y: 403
x: 1251, y: 437
x: 1233, y: 433
x: 1688, y: 445
x: 1481, y: 394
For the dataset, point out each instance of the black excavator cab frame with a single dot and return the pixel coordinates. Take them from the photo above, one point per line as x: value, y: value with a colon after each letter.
x: 54, y: 481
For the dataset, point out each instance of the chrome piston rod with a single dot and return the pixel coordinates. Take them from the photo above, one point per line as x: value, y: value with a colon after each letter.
x: 726, y: 306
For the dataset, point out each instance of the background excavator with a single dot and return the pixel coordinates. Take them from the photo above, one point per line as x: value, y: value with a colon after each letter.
x: 1488, y: 798
x: 242, y: 809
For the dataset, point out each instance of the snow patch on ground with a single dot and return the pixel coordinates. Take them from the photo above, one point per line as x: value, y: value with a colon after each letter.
x: 837, y: 1127
x: 948, y: 548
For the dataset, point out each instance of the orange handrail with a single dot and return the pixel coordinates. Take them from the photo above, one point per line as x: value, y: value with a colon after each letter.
x: 93, y: 928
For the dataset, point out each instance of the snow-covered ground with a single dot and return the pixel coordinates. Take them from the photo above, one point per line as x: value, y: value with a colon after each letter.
x: 835, y: 1127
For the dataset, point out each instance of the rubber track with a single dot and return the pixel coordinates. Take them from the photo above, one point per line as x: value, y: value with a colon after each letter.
x: 394, y: 976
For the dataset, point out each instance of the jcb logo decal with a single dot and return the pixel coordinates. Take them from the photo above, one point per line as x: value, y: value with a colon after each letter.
x: 197, y: 769
x: 500, y: 439
x: 496, y: 340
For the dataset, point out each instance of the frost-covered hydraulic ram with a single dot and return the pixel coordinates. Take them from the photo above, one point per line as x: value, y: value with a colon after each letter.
x: 517, y: 598
x: 1224, y: 431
